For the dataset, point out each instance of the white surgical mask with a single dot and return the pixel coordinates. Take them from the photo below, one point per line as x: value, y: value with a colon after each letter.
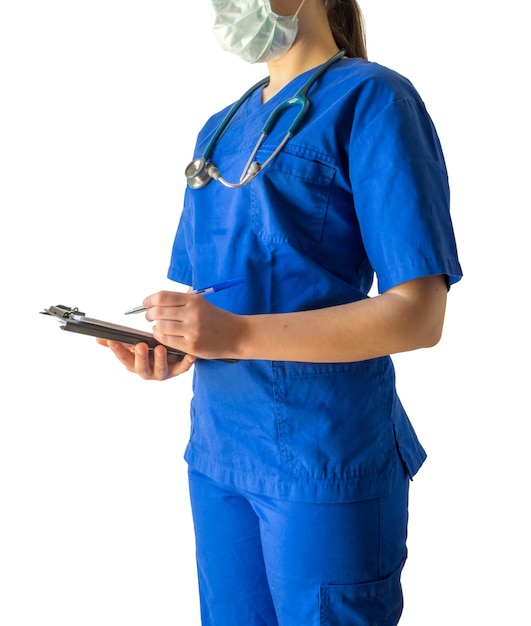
x: 250, y: 29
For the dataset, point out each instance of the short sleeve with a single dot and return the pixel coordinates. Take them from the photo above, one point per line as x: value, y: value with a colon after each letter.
x: 180, y: 269
x: 402, y: 196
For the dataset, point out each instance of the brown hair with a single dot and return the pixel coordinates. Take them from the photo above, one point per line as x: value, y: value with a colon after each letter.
x: 348, y: 26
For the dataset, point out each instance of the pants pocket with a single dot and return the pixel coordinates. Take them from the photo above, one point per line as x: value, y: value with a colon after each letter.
x: 378, y: 603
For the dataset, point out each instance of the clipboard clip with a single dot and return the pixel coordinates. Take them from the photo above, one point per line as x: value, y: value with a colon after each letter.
x: 64, y: 312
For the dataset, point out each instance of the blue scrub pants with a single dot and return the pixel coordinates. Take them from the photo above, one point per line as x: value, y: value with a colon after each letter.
x: 267, y: 562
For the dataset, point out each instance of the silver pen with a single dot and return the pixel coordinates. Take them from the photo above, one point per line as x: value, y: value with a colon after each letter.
x: 211, y: 289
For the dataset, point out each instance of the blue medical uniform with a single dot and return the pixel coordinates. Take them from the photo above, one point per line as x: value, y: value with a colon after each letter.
x: 360, y: 191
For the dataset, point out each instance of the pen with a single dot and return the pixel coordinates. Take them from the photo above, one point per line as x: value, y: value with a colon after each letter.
x: 217, y: 287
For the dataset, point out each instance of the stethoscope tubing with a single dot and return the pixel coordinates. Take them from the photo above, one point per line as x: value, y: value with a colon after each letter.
x: 201, y: 171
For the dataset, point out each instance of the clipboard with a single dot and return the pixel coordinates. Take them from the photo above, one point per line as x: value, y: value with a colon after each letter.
x: 74, y: 320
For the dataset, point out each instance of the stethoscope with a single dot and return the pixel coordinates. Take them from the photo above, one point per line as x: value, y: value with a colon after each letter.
x: 201, y: 171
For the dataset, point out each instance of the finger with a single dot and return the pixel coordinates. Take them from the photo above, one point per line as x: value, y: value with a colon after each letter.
x: 123, y: 352
x: 114, y: 345
x: 142, y: 364
x: 171, y: 327
x: 170, y: 340
x: 163, y: 369
x: 160, y: 363
x: 164, y: 300
x: 182, y: 366
x: 120, y: 348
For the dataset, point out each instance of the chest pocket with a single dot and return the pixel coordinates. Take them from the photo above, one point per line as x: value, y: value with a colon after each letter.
x: 289, y: 200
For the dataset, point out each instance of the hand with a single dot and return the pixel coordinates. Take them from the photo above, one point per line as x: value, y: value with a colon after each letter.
x: 137, y: 359
x: 189, y: 322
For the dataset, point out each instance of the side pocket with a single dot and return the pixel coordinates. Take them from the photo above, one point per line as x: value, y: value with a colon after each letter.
x: 367, y: 604
x: 333, y: 419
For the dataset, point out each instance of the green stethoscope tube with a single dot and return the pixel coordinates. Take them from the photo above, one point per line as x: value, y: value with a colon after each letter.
x: 201, y: 171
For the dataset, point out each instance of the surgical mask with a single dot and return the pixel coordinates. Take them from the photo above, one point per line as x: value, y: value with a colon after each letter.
x: 250, y: 29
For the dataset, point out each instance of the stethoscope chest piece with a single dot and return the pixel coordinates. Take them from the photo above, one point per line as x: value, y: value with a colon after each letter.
x: 197, y: 173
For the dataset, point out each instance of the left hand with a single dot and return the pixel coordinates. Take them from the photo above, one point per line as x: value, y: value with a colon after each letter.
x: 192, y: 324
x: 148, y: 365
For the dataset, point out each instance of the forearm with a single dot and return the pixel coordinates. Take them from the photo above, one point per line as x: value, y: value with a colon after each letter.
x: 399, y: 320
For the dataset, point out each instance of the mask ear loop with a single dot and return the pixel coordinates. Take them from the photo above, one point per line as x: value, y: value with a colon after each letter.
x: 291, y: 17
x: 298, y: 10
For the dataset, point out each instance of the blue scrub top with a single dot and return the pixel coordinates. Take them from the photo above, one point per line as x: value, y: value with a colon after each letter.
x: 361, y: 190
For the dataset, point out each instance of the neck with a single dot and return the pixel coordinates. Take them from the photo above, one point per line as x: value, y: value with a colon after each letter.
x: 298, y: 60
x: 313, y: 46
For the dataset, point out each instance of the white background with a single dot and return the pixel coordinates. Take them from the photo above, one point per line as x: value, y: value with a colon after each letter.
x: 100, y: 104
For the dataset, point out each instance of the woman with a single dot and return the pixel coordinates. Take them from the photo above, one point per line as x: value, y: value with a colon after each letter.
x: 300, y: 452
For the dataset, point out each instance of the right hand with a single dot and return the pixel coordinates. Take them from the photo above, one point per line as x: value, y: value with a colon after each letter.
x: 136, y: 359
